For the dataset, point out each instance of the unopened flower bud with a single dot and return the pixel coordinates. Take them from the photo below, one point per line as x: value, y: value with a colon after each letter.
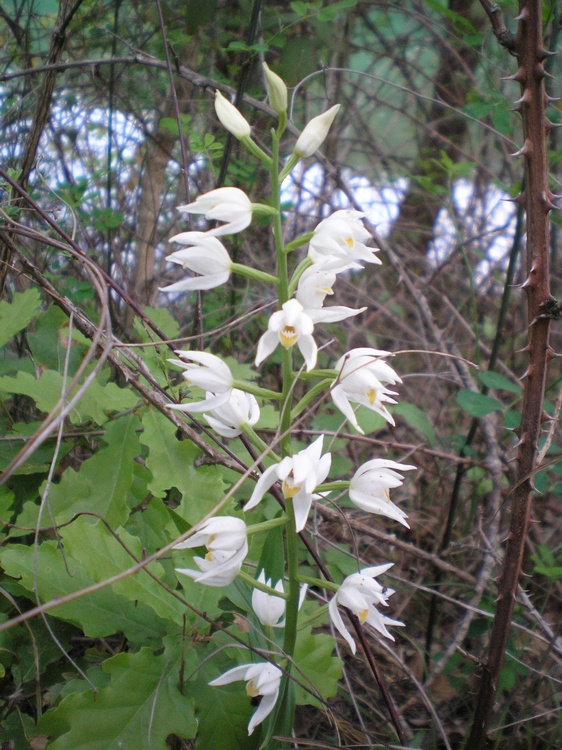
x: 315, y: 133
x: 231, y: 118
x: 276, y: 90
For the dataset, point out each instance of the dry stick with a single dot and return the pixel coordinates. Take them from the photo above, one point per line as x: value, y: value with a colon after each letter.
x: 82, y: 255
x: 150, y: 390
x: 539, y: 202
x: 460, y: 472
x: 66, y: 12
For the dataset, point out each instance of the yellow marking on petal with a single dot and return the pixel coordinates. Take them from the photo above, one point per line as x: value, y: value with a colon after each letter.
x: 362, y: 615
x: 290, y: 490
x: 387, y: 494
x: 349, y: 241
x: 327, y: 290
x: 288, y: 336
x: 372, y: 395
x: 209, y: 556
x: 251, y: 689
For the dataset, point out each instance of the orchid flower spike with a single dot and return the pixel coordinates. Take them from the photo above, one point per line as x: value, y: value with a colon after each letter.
x: 289, y: 326
x: 228, y: 204
x: 300, y: 475
x: 263, y: 679
x: 208, y: 257
x: 227, y: 546
x: 208, y: 372
x: 360, y: 593
x: 362, y: 374
x: 371, y: 484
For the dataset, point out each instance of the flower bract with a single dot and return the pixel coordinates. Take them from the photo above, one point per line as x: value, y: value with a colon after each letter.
x: 360, y: 593
x: 300, y: 475
x: 262, y: 679
x: 207, y: 257
x: 227, y: 546
x: 228, y: 204
x: 229, y: 419
x: 315, y: 132
x: 362, y: 374
x: 371, y: 484
x: 289, y: 326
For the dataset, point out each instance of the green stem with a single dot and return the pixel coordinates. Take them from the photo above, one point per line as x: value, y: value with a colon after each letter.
x: 253, y: 273
x: 305, y: 621
x: 339, y: 484
x: 254, y: 149
x: 256, y: 390
x: 299, y: 241
x: 292, y: 162
x: 319, y: 583
x: 257, y: 442
x: 252, y: 582
x: 309, y: 397
x: 299, y: 270
x: 273, y: 523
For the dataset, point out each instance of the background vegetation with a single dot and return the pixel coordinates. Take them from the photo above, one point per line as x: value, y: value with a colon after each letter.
x: 107, y: 124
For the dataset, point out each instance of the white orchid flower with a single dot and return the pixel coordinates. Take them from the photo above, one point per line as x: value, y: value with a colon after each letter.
x: 208, y: 372
x: 315, y: 132
x: 269, y: 609
x: 229, y: 419
x: 227, y: 546
x: 231, y: 118
x: 360, y: 593
x: 263, y: 679
x: 300, y: 475
x: 362, y: 374
x: 371, y: 484
x: 313, y: 287
x: 341, y: 239
x: 208, y: 257
x: 228, y: 204
x: 289, y: 326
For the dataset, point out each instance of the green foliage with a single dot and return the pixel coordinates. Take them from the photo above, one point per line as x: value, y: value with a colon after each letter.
x: 417, y: 419
x: 476, y: 404
x: 317, y: 668
x: 17, y: 314
x: 139, y: 708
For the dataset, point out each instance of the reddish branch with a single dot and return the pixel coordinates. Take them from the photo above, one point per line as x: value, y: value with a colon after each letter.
x: 528, y: 48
